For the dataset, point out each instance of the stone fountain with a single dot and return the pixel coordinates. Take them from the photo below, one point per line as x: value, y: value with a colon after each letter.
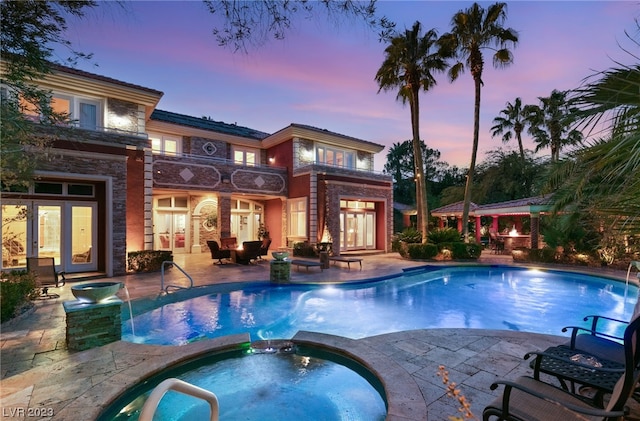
x: 94, y: 318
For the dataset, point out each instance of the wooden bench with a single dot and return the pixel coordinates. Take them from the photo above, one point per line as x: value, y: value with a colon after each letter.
x: 307, y: 264
x: 347, y: 260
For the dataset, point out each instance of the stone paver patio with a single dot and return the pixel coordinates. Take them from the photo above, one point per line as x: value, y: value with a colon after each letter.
x: 39, y: 372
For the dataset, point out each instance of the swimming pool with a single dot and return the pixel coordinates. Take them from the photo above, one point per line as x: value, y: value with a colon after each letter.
x: 483, y: 297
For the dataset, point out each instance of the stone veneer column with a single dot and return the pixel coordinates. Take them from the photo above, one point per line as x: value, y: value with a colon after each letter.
x: 285, y: 223
x: 148, y: 199
x: 90, y: 325
x: 224, y: 214
x: 313, y: 207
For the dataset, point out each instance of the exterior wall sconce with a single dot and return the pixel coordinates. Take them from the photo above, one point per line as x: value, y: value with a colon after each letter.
x: 272, y: 160
x: 225, y: 179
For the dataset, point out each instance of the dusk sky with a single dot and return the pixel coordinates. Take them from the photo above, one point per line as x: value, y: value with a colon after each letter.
x: 322, y: 74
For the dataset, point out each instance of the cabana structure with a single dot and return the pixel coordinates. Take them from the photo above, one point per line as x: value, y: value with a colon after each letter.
x: 531, y: 207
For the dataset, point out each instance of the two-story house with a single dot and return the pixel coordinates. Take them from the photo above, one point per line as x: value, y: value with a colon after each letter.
x: 126, y: 176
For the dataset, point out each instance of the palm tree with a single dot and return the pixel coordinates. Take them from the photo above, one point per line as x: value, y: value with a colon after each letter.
x: 603, y: 178
x: 551, y: 124
x: 410, y: 60
x: 473, y: 30
x: 511, y: 121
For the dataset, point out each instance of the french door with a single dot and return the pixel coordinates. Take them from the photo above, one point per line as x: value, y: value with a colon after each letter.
x: 172, y: 231
x: 65, y: 231
x: 358, y: 230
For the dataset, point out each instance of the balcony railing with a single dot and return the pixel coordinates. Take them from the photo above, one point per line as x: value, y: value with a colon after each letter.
x: 74, y: 124
x: 343, y: 171
x: 208, y: 173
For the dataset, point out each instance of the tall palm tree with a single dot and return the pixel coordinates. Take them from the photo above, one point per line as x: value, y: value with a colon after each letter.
x: 410, y: 60
x: 474, y: 30
x: 511, y: 121
x: 552, y: 122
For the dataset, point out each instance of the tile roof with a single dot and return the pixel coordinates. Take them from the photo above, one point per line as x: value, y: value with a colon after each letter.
x: 527, y: 201
x: 454, y: 208
x: 60, y: 68
x: 207, y: 124
x: 517, y: 205
x: 329, y: 132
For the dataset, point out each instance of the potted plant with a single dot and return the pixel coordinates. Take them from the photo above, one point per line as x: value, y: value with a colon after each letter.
x: 210, y: 221
x: 263, y: 232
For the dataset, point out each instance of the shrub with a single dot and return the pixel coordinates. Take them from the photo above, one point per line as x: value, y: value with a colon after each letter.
x: 303, y: 249
x: 18, y: 289
x: 460, y: 250
x: 444, y: 235
x: 543, y: 255
x: 410, y: 235
x: 147, y: 260
x: 422, y: 251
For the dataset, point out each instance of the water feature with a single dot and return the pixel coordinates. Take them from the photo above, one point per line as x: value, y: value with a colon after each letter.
x: 95, y: 292
x: 126, y: 292
x: 504, y: 298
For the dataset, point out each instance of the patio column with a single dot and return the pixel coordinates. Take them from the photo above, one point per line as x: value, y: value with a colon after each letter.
x: 535, y: 229
x: 406, y: 219
x: 494, y: 223
x: 224, y: 214
x: 478, y: 227
x: 440, y: 222
x: 459, y: 224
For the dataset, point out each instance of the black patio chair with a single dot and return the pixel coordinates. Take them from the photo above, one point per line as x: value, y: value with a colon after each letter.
x: 528, y: 398
x: 496, y: 243
x: 217, y: 253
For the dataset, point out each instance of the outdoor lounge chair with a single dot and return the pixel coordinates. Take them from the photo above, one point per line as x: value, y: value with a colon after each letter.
x: 217, y: 253
x: 528, y: 398
x: 264, y: 248
x: 44, y: 269
x: 250, y: 251
x: 496, y: 243
x: 596, y: 342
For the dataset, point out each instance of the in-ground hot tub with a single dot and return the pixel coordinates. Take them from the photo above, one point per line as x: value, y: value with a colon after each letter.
x: 271, y: 380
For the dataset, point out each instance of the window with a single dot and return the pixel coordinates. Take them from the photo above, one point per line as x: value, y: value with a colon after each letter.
x: 181, y: 202
x: 298, y: 217
x: 165, y: 145
x: 82, y: 112
x: 245, y: 156
x: 65, y: 189
x: 334, y: 157
x: 356, y: 204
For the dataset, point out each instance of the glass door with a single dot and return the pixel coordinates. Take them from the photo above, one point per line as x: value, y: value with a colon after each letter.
x: 47, y: 232
x: 14, y: 236
x: 172, y: 232
x: 370, y: 230
x: 179, y: 232
x: 66, y: 232
x: 357, y: 230
x: 83, y: 237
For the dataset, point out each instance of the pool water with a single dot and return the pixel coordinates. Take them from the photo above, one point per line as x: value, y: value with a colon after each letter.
x: 477, y: 297
x: 265, y: 387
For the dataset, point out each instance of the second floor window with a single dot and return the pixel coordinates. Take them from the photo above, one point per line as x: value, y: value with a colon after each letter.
x: 165, y: 145
x: 245, y: 156
x: 85, y: 113
x: 334, y: 157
